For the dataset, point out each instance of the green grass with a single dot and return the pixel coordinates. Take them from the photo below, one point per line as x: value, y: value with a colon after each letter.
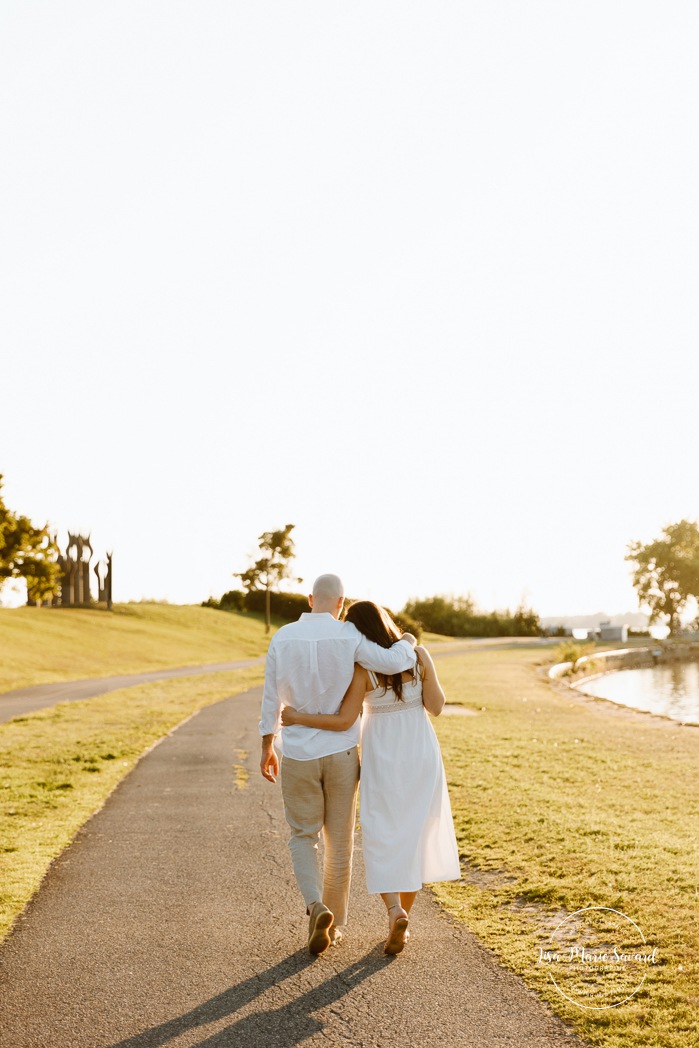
x: 39, y: 645
x: 562, y: 802
x: 430, y: 639
x: 58, y: 766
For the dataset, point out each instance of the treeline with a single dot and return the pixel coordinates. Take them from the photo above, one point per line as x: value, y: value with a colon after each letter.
x: 459, y: 617
x: 285, y: 606
x: 452, y: 617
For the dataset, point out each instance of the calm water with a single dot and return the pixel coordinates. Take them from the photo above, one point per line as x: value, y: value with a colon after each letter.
x: 670, y: 690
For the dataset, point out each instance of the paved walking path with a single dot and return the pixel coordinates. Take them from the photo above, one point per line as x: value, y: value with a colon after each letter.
x: 173, y: 919
x: 20, y: 701
x: 25, y: 700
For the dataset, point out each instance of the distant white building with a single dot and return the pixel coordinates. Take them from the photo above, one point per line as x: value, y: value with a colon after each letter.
x: 608, y: 632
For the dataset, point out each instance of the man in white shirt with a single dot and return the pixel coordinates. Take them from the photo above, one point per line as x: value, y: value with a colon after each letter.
x: 310, y: 664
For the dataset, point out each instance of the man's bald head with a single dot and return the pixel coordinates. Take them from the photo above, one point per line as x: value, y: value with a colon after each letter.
x: 328, y: 594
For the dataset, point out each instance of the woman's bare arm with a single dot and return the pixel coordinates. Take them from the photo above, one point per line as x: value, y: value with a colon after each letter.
x: 433, y: 698
x: 345, y: 716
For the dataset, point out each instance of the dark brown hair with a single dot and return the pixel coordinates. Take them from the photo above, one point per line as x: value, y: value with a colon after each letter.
x: 377, y: 625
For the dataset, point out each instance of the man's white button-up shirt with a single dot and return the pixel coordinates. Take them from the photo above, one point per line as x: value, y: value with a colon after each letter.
x: 310, y: 664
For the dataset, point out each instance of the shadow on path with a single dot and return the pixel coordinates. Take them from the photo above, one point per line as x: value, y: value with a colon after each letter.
x: 173, y: 921
x: 283, y: 1027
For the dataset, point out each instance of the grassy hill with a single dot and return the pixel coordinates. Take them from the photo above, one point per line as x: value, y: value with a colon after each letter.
x: 39, y: 645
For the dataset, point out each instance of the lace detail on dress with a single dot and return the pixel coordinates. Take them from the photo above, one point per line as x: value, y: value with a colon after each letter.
x: 393, y: 706
x: 380, y: 701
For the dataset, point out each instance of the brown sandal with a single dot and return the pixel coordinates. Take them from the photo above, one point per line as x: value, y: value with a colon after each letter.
x: 398, y: 933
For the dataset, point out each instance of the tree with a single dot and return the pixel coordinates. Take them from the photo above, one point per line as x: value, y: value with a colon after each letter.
x: 28, y: 552
x: 666, y: 572
x: 277, y: 548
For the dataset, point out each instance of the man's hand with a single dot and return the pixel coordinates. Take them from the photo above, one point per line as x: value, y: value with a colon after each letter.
x: 289, y: 715
x: 410, y: 639
x: 269, y: 761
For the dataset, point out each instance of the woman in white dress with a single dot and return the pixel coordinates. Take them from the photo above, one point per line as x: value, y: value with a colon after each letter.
x: 407, y: 829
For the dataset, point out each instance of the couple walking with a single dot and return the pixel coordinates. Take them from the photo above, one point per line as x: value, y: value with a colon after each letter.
x: 320, y: 674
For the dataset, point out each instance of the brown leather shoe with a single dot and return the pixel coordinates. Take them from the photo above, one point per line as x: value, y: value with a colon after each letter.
x: 318, y: 934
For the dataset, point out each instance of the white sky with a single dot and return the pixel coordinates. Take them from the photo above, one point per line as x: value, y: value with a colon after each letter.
x: 419, y: 278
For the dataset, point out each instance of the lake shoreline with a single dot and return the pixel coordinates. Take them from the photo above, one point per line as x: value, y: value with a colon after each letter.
x: 667, y: 698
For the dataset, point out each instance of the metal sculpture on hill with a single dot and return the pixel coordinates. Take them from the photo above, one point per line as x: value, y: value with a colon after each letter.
x: 75, y: 568
x: 103, y: 571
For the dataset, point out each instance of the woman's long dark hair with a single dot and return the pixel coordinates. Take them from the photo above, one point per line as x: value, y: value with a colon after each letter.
x: 377, y: 625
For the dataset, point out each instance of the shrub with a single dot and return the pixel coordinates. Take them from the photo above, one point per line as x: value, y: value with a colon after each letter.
x: 571, y: 651
x: 440, y: 615
x: 458, y: 617
x: 233, y: 600
x: 285, y: 606
x: 406, y: 623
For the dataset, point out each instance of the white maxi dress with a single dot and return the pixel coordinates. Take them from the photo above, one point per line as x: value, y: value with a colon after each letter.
x: 407, y: 828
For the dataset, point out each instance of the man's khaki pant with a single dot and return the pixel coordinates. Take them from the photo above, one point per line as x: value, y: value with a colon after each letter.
x: 321, y: 794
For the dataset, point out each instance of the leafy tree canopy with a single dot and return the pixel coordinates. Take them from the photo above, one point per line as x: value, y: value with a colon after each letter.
x: 27, y: 552
x: 273, y: 567
x: 666, y: 572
